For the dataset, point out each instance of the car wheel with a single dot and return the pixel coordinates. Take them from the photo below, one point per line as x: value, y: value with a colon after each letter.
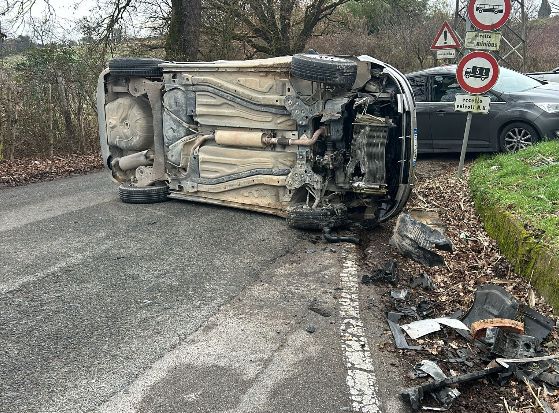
x: 517, y: 136
x: 330, y: 70
x: 304, y: 217
x: 143, y: 195
x: 142, y: 67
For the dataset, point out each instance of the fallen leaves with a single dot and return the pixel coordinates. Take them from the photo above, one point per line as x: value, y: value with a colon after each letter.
x: 23, y: 171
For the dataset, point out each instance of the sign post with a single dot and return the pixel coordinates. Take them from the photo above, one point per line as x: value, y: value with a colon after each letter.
x: 478, y: 71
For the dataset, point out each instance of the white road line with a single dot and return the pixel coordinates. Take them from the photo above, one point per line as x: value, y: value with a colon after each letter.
x: 361, y: 378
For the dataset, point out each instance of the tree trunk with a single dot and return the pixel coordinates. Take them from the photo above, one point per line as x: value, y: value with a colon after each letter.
x: 64, y: 107
x: 51, y: 122
x: 184, y: 31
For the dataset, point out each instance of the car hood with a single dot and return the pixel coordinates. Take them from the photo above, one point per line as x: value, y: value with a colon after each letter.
x: 543, y: 93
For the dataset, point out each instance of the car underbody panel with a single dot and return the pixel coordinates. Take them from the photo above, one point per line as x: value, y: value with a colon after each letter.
x: 270, y: 135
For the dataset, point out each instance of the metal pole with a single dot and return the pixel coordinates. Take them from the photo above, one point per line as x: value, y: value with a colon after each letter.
x: 464, y: 144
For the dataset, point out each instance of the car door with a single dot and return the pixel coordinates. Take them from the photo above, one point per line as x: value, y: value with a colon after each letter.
x: 448, y: 126
x: 419, y: 84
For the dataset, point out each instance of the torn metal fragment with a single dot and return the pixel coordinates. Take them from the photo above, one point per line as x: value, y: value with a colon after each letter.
x: 506, y: 362
x: 491, y: 301
x: 421, y: 328
x: 399, y: 338
x: 479, y: 328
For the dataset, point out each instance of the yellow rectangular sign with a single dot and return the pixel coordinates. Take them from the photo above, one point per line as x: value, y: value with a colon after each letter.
x: 472, y: 103
x: 483, y: 40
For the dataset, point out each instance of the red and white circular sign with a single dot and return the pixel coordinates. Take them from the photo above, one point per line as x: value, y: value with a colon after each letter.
x: 489, y: 14
x: 477, y: 72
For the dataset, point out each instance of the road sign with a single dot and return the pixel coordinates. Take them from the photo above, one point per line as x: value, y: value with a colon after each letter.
x: 472, y: 103
x: 483, y: 40
x: 477, y: 72
x: 446, y: 54
x: 446, y: 39
x: 489, y: 14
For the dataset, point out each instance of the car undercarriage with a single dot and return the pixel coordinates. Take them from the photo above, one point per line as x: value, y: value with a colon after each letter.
x: 315, y: 138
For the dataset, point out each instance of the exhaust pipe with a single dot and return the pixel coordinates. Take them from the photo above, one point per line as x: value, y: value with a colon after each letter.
x: 144, y: 158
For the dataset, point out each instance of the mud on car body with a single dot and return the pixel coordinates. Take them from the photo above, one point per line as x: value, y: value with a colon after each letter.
x: 314, y: 138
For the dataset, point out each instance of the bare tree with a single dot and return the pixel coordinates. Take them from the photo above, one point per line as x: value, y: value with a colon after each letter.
x: 274, y: 27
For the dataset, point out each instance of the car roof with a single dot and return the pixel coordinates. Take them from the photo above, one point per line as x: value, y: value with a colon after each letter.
x: 439, y: 70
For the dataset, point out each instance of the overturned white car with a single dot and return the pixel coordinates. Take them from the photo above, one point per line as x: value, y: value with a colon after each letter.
x: 317, y: 139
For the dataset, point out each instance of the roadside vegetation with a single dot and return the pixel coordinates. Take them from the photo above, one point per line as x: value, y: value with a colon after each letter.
x: 47, y: 102
x: 517, y: 196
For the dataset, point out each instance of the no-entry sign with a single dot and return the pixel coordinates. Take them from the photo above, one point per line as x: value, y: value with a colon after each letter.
x: 477, y: 72
x: 489, y: 14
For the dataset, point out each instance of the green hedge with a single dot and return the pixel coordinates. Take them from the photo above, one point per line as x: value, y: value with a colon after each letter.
x: 517, y: 196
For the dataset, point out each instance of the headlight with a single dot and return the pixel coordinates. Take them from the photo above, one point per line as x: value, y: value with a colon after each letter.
x: 548, y: 107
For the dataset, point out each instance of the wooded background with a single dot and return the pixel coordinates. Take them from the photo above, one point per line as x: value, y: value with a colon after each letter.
x: 47, y: 93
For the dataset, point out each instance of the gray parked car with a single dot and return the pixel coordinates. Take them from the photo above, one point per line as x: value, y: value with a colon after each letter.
x: 523, y: 111
x: 314, y: 138
x: 551, y: 76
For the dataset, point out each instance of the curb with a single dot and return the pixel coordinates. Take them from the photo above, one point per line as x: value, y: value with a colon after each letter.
x: 528, y: 254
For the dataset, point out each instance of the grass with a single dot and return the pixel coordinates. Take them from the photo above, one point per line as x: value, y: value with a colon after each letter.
x: 526, y: 184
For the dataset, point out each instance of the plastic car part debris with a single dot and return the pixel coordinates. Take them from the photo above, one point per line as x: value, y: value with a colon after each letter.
x: 508, y: 344
x: 416, y: 240
x: 399, y: 294
x: 399, y: 339
x: 491, y: 301
x: 421, y: 328
x: 536, y: 324
x: 550, y: 378
x: 424, y: 281
x: 389, y: 273
x: 328, y: 236
x: 425, y: 309
x: 480, y: 327
x: 445, y: 395
x: 415, y: 395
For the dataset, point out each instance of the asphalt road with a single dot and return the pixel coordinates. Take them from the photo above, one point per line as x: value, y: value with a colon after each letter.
x: 175, y: 307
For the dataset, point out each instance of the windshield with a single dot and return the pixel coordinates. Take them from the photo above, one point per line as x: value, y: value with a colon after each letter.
x: 512, y: 82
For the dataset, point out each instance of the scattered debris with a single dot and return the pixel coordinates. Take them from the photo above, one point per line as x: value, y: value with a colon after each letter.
x: 399, y: 339
x: 415, y: 395
x: 535, y: 323
x: 421, y: 328
x: 423, y: 281
x: 320, y: 307
x: 389, y: 274
x: 311, y: 328
x: 509, y: 344
x: 416, y: 240
x: 491, y: 301
x: 446, y: 395
x: 480, y: 327
x: 399, y: 294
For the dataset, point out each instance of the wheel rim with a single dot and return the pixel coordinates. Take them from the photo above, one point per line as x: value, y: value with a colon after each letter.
x: 518, y: 138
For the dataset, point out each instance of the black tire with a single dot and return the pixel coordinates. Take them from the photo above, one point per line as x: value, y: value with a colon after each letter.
x: 141, y: 67
x: 143, y: 195
x: 516, y: 136
x: 330, y: 70
x: 304, y: 217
